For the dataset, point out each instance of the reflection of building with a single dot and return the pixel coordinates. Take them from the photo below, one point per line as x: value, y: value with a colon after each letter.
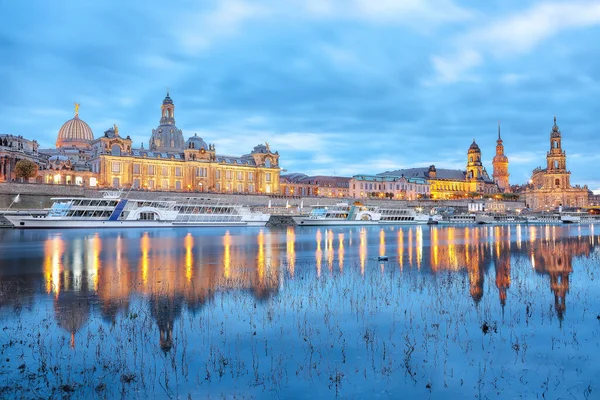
x: 453, y: 183
x: 169, y: 163
x: 502, y: 264
x: 555, y: 258
x: 551, y: 187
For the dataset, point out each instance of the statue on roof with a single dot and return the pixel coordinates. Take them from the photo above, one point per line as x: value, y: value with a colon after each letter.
x: 116, y: 129
x: 267, y: 146
x: 76, y: 108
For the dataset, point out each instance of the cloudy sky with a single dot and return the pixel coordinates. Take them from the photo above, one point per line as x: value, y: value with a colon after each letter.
x: 337, y: 86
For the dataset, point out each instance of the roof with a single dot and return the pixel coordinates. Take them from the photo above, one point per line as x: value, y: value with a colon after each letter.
x: 423, y: 172
x: 390, y: 178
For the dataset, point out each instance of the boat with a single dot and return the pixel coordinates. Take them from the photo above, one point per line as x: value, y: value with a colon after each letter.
x: 458, y: 219
x: 578, y: 217
x: 340, y: 214
x: 403, y: 216
x: 497, y: 218
x: 111, y: 210
x: 193, y: 211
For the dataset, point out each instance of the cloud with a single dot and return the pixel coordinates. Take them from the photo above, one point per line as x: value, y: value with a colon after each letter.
x: 515, y: 34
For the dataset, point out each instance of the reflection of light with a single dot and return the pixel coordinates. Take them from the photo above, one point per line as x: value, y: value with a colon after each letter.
x: 519, y: 236
x: 319, y: 252
x: 330, y: 249
x: 497, y: 237
x: 532, y: 233
x: 410, y: 245
x: 382, y: 242
x: 362, y: 249
x: 401, y: 247
x: 188, y: 242
x: 452, y: 256
x: 435, y: 247
x: 96, y: 244
x: 419, y: 235
x: 145, y: 245
x: 341, y: 251
x: 532, y: 261
x: 77, y: 264
x: 291, y: 251
x: 227, y: 252
x: 261, y: 255
x: 53, y: 249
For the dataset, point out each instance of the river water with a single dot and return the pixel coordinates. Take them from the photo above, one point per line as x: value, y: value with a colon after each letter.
x: 455, y: 312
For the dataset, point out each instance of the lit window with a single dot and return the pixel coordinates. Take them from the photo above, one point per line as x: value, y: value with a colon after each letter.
x: 116, y: 167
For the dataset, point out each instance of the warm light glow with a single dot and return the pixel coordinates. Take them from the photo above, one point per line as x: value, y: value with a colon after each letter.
x: 188, y: 243
x: 401, y: 248
x: 227, y: 252
x: 53, y: 251
x: 319, y: 252
x: 382, y: 242
x: 261, y: 256
x: 362, y: 249
x: 291, y: 250
x: 94, y: 259
x: 341, y: 251
x: 330, y: 250
x: 419, y: 235
x: 145, y: 247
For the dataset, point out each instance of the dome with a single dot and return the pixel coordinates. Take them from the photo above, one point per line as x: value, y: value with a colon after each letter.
x: 166, y: 137
x: 196, y: 142
x: 474, y: 147
x: 501, y: 158
x: 74, y: 132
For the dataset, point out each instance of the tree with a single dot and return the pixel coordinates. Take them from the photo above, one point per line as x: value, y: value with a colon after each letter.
x: 26, y: 169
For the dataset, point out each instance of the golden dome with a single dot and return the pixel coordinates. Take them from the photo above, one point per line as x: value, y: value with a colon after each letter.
x: 75, y: 133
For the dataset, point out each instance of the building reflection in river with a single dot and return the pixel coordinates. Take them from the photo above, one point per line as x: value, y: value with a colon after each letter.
x: 177, y: 271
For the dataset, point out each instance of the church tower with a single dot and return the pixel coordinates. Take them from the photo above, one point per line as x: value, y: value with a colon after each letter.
x: 500, y: 163
x: 557, y: 175
x: 474, y: 165
x: 166, y: 137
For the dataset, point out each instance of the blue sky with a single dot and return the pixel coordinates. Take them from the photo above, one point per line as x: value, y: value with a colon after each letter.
x: 336, y: 86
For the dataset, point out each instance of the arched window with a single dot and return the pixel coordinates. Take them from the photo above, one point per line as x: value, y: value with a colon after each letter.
x: 555, y: 164
x: 268, y: 162
x: 115, y: 150
x: 471, y: 159
x: 557, y: 182
x: 478, y: 158
x: 168, y: 113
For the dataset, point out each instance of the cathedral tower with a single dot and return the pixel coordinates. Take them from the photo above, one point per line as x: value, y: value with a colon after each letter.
x: 500, y: 163
x: 474, y: 165
x: 557, y: 175
x: 166, y: 137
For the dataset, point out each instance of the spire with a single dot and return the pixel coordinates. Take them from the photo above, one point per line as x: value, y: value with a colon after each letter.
x: 554, y: 119
x: 167, y: 91
x: 499, y: 130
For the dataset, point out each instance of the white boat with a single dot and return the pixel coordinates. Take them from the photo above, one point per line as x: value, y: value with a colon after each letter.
x: 194, y: 211
x: 112, y: 211
x: 578, y: 217
x: 403, y: 216
x: 544, y: 219
x: 340, y: 214
x: 497, y: 219
x: 458, y: 219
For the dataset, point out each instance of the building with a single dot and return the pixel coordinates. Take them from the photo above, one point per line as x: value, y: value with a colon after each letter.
x: 297, y: 184
x: 391, y: 187
x: 551, y: 187
x: 500, y: 164
x: 170, y: 163
x: 453, y: 183
x: 16, y: 148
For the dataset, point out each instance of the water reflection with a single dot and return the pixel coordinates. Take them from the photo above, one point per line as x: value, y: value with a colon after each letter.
x: 176, y: 270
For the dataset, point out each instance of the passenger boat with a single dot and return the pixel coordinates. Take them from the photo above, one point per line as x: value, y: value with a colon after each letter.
x: 112, y: 211
x: 209, y: 212
x: 458, y: 219
x: 497, y: 219
x: 340, y: 214
x: 403, y: 216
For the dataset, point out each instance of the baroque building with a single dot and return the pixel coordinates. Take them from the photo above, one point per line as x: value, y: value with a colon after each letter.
x: 12, y: 150
x: 170, y: 163
x: 500, y: 163
x: 551, y: 187
x: 453, y: 183
x: 401, y: 188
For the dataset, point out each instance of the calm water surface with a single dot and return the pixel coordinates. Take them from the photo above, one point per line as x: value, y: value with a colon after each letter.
x: 475, y: 312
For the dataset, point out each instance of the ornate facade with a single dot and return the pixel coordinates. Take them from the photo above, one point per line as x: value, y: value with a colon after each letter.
x: 169, y: 163
x: 401, y: 188
x: 16, y: 148
x: 500, y: 163
x: 453, y: 183
x: 551, y: 187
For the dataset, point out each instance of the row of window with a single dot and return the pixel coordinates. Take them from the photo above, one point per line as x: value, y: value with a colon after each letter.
x: 390, y: 186
x: 239, y: 175
x: 116, y: 167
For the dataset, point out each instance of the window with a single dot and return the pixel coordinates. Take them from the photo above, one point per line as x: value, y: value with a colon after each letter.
x: 78, y: 180
x: 218, y: 187
x: 250, y: 188
x: 177, y: 171
x: 240, y: 175
x: 268, y: 177
x: 116, y: 182
x: 136, y: 168
x: 228, y: 174
x: 557, y: 182
x: 218, y: 175
x: 115, y: 150
x: 240, y: 188
x: 556, y: 164
x: 93, y: 182
x: 151, y: 170
x: 136, y: 183
x: 177, y: 185
x: 165, y: 171
x: 151, y: 184
x: 268, y: 163
x: 116, y: 167
x: 165, y: 184
x: 250, y: 176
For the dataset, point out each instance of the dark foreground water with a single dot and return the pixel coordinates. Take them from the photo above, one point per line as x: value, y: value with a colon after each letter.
x: 479, y: 312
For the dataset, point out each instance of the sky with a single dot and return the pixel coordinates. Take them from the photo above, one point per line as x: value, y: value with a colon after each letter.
x: 338, y: 87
